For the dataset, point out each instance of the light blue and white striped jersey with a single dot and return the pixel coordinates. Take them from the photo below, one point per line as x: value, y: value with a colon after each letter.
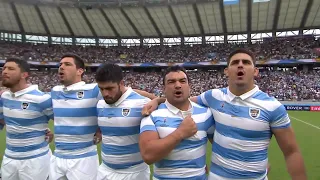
x: 26, y: 114
x: 244, y: 127
x: 188, y: 159
x: 75, y: 119
x: 120, y: 125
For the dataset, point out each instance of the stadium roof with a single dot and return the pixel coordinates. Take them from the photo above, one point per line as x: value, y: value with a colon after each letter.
x: 142, y: 18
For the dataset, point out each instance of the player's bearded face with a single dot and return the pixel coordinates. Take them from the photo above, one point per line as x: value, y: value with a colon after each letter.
x: 11, y: 74
x: 241, y: 70
x: 177, y: 89
x: 111, y: 92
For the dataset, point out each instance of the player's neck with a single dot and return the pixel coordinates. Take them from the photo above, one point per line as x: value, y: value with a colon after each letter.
x: 19, y: 87
x: 72, y: 83
x: 240, y: 90
x: 184, y: 106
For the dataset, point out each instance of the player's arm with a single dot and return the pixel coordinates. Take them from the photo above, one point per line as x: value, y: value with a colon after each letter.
x: 153, y: 148
x: 47, y: 106
x: 285, y: 137
x: 145, y: 94
x: 154, y: 103
x: 211, y: 128
x: 2, y: 124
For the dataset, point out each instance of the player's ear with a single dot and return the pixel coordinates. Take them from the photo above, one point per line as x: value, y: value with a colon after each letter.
x: 24, y: 75
x: 80, y: 71
x: 226, y: 72
x: 256, y: 72
x: 121, y: 83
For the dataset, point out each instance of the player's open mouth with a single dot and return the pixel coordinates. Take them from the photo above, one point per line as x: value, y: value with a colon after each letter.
x: 61, y: 74
x: 178, y: 93
x: 240, y: 74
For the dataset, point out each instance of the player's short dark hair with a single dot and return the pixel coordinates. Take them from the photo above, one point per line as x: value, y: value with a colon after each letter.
x: 22, y: 64
x: 78, y: 61
x: 109, y: 72
x: 242, y: 50
x: 174, y: 69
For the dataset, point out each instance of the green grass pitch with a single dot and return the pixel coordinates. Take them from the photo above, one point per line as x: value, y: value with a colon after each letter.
x: 307, y: 135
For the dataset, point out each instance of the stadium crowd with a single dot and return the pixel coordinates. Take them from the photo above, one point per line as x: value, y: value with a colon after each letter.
x: 292, y: 48
x: 284, y: 85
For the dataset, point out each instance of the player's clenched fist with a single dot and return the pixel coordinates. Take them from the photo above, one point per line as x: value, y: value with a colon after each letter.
x: 187, y: 127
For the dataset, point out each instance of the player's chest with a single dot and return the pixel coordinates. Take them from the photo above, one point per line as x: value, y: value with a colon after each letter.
x: 166, y: 125
x: 20, y: 105
x: 121, y: 117
x: 240, y: 111
x: 73, y: 95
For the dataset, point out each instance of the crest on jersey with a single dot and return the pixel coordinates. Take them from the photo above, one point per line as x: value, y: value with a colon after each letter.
x: 24, y: 105
x: 254, y: 112
x: 80, y: 94
x: 125, y: 111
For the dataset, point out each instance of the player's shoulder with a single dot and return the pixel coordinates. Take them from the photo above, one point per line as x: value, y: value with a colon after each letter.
x: 57, y: 88
x: 216, y: 92
x: 101, y: 104
x: 199, y: 109
x: 266, y: 101
x: 90, y: 86
x: 137, y: 96
x: 196, y: 105
x: 161, y: 109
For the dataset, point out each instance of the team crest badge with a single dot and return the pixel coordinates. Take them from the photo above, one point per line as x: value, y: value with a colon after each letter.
x: 24, y: 105
x: 254, y: 112
x: 125, y: 112
x: 80, y: 94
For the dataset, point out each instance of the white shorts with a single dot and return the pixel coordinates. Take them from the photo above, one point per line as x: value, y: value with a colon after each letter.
x: 29, y: 169
x: 74, y: 169
x: 105, y: 173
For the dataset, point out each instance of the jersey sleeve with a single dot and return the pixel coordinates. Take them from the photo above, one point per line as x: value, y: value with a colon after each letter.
x: 211, y: 124
x: 279, y: 118
x: 204, y: 98
x: 1, y: 109
x: 147, y: 124
x: 97, y: 92
x: 46, y: 106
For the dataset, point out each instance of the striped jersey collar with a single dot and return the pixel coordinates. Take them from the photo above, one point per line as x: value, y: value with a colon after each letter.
x: 74, y: 86
x: 175, y: 110
x: 243, y: 96
x: 24, y: 91
x: 124, y: 96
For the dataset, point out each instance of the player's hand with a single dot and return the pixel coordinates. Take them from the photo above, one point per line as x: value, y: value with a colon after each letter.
x: 268, y: 168
x: 49, y: 135
x: 97, y: 137
x: 187, y: 127
x: 149, y: 107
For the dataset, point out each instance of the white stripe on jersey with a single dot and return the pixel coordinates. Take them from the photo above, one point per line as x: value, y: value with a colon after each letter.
x: 240, y: 145
x: 257, y: 166
x: 21, y: 129
x: 193, y: 153
x: 75, y: 121
x: 123, y: 140
x: 123, y: 159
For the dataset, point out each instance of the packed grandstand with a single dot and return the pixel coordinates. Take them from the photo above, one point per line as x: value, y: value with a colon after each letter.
x: 284, y: 84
